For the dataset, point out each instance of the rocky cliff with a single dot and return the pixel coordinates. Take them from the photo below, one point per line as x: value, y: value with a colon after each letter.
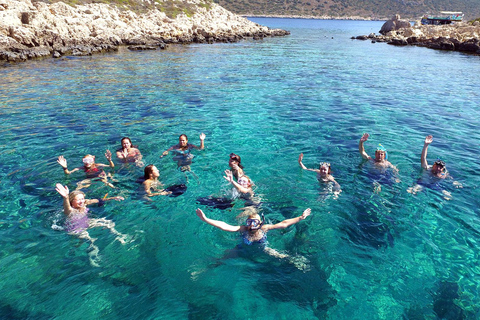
x: 31, y: 29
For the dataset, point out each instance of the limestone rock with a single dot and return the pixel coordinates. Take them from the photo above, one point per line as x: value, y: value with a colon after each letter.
x: 394, y: 24
x: 62, y: 29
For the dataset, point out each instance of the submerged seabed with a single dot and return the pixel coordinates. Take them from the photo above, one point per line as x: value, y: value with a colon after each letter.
x: 391, y: 255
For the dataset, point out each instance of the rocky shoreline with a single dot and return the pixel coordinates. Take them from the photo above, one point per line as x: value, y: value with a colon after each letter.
x: 461, y: 36
x: 33, y: 29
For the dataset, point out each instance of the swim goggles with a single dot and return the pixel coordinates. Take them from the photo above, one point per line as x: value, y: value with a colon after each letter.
x: 233, y: 156
x: 253, y: 223
x: 88, y: 160
x: 440, y: 163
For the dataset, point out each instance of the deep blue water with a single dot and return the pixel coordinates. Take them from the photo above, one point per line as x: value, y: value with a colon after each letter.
x: 385, y: 255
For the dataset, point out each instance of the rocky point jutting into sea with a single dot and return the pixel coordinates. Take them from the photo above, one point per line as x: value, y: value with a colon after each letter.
x: 33, y: 29
x: 459, y: 36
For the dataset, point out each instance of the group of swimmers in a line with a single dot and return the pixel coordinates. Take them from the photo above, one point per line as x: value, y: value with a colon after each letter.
x: 255, y: 229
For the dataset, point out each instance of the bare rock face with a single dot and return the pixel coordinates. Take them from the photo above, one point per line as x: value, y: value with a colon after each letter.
x: 34, y: 29
x: 394, y: 24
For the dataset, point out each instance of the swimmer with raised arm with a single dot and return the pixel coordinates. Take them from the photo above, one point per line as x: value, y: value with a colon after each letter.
x: 91, y: 169
x: 438, y: 169
x: 381, y: 154
x: 182, y: 151
x: 323, y: 174
x: 380, y: 162
x: 243, y: 186
x: 77, y: 223
x: 437, y: 172
x: 129, y: 153
x: 255, y: 231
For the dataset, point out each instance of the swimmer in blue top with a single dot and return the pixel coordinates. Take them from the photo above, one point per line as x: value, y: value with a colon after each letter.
x: 255, y: 232
x: 182, y: 151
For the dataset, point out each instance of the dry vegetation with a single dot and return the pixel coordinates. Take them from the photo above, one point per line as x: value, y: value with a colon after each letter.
x: 372, y: 9
x: 171, y: 7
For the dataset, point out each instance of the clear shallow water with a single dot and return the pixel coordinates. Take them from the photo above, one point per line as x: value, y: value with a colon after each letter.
x: 390, y: 255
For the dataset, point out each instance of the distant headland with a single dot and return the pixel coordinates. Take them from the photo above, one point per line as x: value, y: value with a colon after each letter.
x: 458, y: 36
x: 35, y: 29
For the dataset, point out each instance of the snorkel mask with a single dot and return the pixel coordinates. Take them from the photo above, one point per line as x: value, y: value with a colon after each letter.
x: 88, y: 159
x: 254, y: 223
x: 441, y: 164
x: 382, y: 149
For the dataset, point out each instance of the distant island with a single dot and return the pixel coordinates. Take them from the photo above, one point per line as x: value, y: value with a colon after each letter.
x: 34, y: 29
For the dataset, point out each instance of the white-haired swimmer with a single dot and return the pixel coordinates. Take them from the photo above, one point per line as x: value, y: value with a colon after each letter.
x: 324, y: 174
x: 77, y: 222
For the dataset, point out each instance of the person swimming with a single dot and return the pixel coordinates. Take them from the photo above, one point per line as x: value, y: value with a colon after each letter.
x: 151, y: 182
x: 182, y: 151
x: 381, y: 154
x: 78, y: 222
x: 380, y: 162
x: 437, y: 173
x: 91, y: 168
x: 129, y: 153
x: 255, y: 232
x: 235, y: 164
x: 324, y: 175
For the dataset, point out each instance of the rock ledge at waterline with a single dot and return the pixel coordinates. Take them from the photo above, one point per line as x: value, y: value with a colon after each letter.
x: 35, y: 29
x: 459, y: 36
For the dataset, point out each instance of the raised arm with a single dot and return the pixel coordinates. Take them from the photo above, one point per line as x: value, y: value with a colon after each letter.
x: 64, y: 192
x: 229, y: 177
x: 63, y: 162
x: 361, y: 148
x: 108, y: 155
x: 300, y: 159
x: 202, y: 142
x: 288, y: 222
x: 218, y: 224
x: 423, y: 159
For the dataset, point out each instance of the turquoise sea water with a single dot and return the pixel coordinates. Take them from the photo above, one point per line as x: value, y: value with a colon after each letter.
x: 386, y: 255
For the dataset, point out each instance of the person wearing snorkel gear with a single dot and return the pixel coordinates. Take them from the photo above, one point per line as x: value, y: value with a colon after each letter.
x: 323, y: 174
x: 77, y: 219
x: 182, y: 151
x: 381, y: 154
x: 129, y: 153
x: 91, y: 169
x: 255, y: 232
x: 438, y: 169
x: 235, y: 164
